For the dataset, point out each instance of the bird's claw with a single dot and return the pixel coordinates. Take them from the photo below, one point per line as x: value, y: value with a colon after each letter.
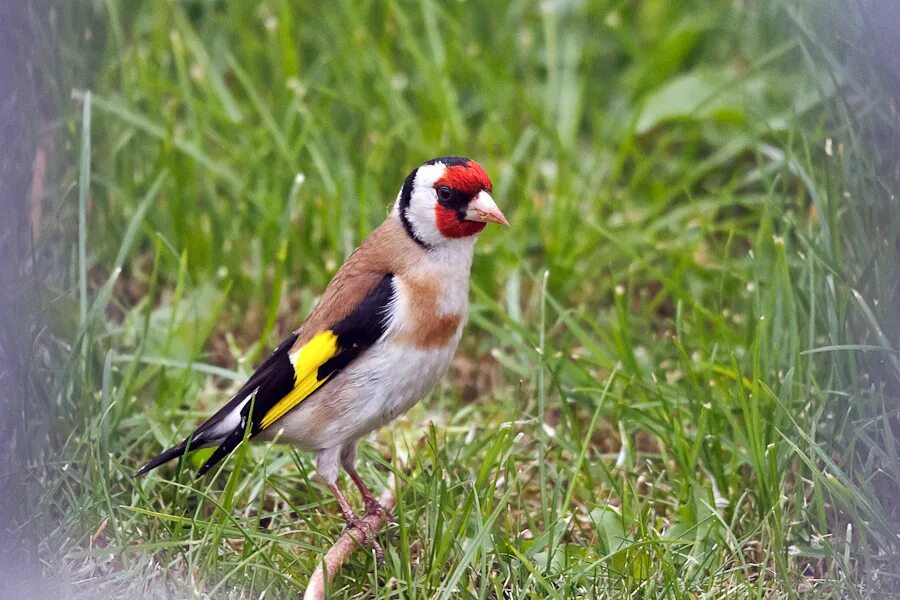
x: 374, y: 507
x: 367, y: 536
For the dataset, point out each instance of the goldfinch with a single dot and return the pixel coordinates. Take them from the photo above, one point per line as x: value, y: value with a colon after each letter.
x: 381, y: 336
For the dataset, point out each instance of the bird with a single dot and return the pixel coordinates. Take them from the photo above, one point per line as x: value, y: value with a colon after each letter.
x: 382, y: 334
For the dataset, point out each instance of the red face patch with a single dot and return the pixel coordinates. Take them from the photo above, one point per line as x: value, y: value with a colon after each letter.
x: 469, y: 178
x: 451, y: 226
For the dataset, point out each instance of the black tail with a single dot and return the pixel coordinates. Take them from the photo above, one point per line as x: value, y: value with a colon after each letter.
x: 173, y: 452
x: 224, y: 449
x: 226, y: 446
x: 274, y: 378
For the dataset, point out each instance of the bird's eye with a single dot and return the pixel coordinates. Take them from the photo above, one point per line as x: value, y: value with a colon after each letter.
x: 444, y: 193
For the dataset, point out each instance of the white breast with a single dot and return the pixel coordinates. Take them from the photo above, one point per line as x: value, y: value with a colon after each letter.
x: 393, y: 375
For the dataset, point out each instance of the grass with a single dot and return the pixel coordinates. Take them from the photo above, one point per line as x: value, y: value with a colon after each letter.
x: 681, y: 370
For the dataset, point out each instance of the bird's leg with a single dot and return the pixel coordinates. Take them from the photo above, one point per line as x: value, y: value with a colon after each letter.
x: 348, y: 460
x: 354, y: 522
x: 373, y: 506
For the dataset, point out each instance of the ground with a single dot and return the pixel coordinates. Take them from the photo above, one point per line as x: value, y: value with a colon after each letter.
x: 681, y: 370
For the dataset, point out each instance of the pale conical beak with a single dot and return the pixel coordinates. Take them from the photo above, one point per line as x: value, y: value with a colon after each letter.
x: 484, y: 209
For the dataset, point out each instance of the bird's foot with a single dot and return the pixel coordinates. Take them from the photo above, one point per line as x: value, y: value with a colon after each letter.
x: 367, y: 535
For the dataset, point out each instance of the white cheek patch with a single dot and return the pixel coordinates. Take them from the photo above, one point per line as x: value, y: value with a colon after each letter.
x: 422, y: 202
x: 427, y: 175
x: 422, y: 218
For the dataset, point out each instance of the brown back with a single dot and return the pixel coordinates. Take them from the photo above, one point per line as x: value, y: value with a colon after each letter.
x: 388, y: 249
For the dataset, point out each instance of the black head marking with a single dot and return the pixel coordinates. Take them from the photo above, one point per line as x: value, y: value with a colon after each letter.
x: 405, y: 198
x: 453, y: 199
x: 450, y: 161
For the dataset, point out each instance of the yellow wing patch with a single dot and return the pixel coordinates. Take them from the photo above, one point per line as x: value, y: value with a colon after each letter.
x: 306, y: 363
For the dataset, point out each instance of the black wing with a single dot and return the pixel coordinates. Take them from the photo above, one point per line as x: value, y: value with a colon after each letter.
x: 277, y: 377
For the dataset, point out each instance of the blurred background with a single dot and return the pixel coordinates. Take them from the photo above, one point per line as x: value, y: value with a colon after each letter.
x: 681, y: 372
